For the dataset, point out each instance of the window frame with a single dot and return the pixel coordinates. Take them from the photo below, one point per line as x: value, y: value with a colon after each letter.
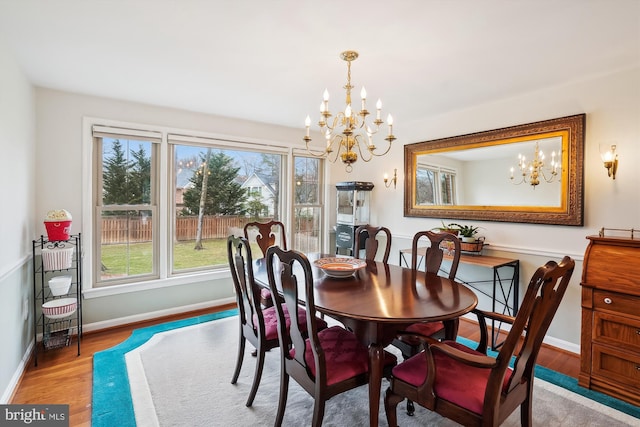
x: 166, y: 201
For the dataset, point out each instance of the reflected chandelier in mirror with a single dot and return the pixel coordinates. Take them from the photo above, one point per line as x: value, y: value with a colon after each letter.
x: 472, y: 176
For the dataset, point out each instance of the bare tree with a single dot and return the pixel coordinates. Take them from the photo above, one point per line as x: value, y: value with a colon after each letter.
x: 203, y: 200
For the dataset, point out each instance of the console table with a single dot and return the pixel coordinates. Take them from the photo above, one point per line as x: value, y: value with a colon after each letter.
x: 505, y: 286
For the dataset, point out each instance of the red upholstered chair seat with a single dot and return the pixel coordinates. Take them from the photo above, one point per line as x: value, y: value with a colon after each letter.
x: 271, y: 321
x: 345, y: 356
x: 456, y: 382
x: 426, y: 329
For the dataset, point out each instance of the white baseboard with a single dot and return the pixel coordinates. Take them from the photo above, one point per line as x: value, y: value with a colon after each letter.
x: 562, y: 344
x: 96, y: 326
x: 17, y: 375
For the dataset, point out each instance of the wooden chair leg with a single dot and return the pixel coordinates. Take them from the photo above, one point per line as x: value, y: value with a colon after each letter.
x: 256, y: 377
x: 526, y: 417
x: 318, y: 412
x: 391, y: 401
x: 239, y: 359
x: 282, y: 401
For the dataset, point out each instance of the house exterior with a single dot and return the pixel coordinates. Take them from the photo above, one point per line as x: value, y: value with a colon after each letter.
x: 260, y: 188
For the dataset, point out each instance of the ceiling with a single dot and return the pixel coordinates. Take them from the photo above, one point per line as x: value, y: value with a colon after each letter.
x: 270, y: 61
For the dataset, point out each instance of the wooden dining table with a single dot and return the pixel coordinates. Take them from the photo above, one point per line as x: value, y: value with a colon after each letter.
x: 379, y: 300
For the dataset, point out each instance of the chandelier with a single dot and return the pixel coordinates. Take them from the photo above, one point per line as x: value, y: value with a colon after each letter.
x: 347, y: 133
x: 535, y: 170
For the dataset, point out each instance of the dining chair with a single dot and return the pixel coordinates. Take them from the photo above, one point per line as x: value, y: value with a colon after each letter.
x: 367, y: 234
x: 471, y: 388
x: 266, y: 234
x: 440, y: 243
x: 326, y: 362
x: 258, y: 325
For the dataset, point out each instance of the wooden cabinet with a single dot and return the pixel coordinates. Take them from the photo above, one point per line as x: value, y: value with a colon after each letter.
x: 610, y: 339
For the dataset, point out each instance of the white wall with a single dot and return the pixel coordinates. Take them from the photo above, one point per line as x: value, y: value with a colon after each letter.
x: 612, y: 105
x: 17, y: 177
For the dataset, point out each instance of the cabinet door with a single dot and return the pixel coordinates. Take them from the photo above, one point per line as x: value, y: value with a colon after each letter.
x: 620, y: 366
x: 620, y: 331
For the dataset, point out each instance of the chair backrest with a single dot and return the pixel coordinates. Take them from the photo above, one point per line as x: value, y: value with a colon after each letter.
x: 368, y: 233
x: 267, y: 234
x: 544, y: 294
x: 438, y: 244
x: 284, y: 270
x: 247, y: 292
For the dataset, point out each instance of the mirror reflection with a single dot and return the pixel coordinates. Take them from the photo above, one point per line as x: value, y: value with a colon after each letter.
x: 525, y: 173
x: 493, y: 175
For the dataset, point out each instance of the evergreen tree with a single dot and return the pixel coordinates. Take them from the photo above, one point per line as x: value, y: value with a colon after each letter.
x: 256, y: 208
x: 140, y: 177
x: 115, y: 175
x: 225, y: 196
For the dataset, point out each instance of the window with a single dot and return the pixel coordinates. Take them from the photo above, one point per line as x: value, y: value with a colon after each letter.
x: 164, y: 203
x: 435, y: 185
x: 126, y: 200
x: 307, y: 204
x: 240, y: 186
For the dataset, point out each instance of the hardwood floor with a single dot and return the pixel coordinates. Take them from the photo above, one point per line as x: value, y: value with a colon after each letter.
x: 62, y: 377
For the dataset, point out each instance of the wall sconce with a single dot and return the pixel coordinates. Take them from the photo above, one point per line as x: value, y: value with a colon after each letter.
x: 610, y: 159
x: 394, y: 180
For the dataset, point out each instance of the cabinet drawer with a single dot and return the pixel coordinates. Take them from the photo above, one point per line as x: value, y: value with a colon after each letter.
x: 619, y: 366
x: 619, y: 303
x: 616, y: 330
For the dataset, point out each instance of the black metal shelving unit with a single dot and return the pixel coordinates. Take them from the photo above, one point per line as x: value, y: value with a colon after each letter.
x: 56, y: 333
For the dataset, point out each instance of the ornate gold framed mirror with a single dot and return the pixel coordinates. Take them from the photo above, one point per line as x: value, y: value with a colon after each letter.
x: 531, y: 173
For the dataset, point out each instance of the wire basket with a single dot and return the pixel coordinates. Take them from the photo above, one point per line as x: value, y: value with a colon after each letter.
x: 475, y: 247
x: 56, y: 339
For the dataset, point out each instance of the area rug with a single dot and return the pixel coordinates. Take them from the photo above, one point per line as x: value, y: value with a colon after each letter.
x: 179, y: 374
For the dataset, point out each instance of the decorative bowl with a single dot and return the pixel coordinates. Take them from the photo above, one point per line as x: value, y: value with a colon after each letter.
x: 59, y: 308
x: 339, y: 266
x: 57, y: 258
x: 60, y: 285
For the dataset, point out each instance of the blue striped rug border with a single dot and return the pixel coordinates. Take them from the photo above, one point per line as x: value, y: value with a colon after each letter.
x: 111, y: 395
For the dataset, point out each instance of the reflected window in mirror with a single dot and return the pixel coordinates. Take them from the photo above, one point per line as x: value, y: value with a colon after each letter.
x: 435, y: 185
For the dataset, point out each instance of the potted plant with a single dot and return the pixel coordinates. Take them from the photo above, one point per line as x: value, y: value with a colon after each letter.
x: 467, y: 232
x: 448, y: 228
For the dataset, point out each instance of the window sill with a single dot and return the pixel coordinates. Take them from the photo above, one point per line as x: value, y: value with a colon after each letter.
x: 105, y: 291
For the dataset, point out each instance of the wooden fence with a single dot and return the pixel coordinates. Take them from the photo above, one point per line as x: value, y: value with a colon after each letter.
x: 120, y: 229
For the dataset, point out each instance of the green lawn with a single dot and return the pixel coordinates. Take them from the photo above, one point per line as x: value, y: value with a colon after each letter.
x: 136, y: 258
